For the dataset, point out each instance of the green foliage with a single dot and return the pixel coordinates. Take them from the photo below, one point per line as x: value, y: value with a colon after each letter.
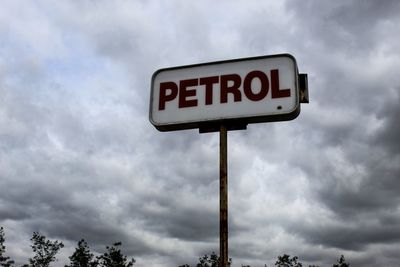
x: 113, y: 257
x: 342, y: 263
x: 286, y: 261
x: 208, y: 261
x: 211, y: 261
x: 82, y: 257
x: 45, y: 250
x: 283, y: 261
x: 4, y: 260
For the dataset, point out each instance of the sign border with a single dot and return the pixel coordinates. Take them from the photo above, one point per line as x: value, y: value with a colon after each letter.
x: 232, y: 123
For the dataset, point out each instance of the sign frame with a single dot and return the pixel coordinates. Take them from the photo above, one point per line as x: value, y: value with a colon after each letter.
x: 232, y: 123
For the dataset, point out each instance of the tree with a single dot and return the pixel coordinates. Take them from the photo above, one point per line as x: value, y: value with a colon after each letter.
x: 286, y: 261
x: 211, y: 261
x: 4, y: 260
x: 208, y: 261
x: 45, y: 250
x: 82, y: 257
x: 342, y: 263
x: 113, y: 257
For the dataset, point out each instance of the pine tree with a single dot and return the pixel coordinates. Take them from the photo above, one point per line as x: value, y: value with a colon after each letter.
x: 286, y: 261
x: 113, y: 257
x: 342, y: 263
x: 82, y: 257
x: 4, y: 260
x: 45, y: 250
x: 211, y: 261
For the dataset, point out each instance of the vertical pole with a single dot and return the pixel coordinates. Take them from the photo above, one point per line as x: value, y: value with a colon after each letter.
x: 223, y: 196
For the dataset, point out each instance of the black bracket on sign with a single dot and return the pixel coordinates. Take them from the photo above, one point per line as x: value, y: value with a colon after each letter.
x: 215, y: 127
x: 303, y: 88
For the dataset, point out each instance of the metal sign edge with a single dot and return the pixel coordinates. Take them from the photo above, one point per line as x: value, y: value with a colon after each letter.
x: 164, y: 127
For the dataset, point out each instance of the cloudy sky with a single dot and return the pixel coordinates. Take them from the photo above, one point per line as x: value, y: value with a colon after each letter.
x: 80, y: 159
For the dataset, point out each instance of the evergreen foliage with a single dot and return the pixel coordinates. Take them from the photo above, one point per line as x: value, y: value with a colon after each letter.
x: 45, y: 253
x: 287, y: 261
x: 82, y: 257
x: 342, y: 263
x: 113, y: 257
x: 208, y: 261
x: 4, y: 260
x: 45, y: 250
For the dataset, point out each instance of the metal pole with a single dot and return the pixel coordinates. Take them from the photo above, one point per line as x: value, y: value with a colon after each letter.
x: 223, y: 196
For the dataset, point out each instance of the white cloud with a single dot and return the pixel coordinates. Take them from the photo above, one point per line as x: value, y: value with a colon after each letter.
x: 79, y: 158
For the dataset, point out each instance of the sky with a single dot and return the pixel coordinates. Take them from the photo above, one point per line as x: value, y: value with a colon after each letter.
x: 80, y: 159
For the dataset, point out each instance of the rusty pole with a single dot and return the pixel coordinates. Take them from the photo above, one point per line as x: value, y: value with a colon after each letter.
x: 223, y: 196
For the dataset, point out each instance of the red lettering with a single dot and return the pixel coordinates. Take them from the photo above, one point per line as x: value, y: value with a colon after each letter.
x: 232, y: 89
x: 256, y: 85
x: 184, y: 93
x: 276, y: 92
x: 263, y: 89
x: 165, y: 87
x: 208, y: 82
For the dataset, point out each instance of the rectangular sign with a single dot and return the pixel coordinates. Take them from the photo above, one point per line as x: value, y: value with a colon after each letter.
x: 240, y: 91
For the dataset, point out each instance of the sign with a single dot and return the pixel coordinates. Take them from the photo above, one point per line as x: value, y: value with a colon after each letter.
x: 236, y: 92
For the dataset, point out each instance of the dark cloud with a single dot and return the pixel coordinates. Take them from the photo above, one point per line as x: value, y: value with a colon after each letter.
x: 347, y: 27
x: 79, y: 158
x: 353, y: 168
x: 351, y: 234
x: 388, y: 134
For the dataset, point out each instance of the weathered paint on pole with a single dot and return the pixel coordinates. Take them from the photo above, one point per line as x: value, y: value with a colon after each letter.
x: 223, y: 196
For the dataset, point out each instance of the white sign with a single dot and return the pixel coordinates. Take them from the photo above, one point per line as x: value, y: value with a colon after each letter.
x: 248, y: 90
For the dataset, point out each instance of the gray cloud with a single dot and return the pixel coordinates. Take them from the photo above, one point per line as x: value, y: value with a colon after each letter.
x: 79, y: 158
